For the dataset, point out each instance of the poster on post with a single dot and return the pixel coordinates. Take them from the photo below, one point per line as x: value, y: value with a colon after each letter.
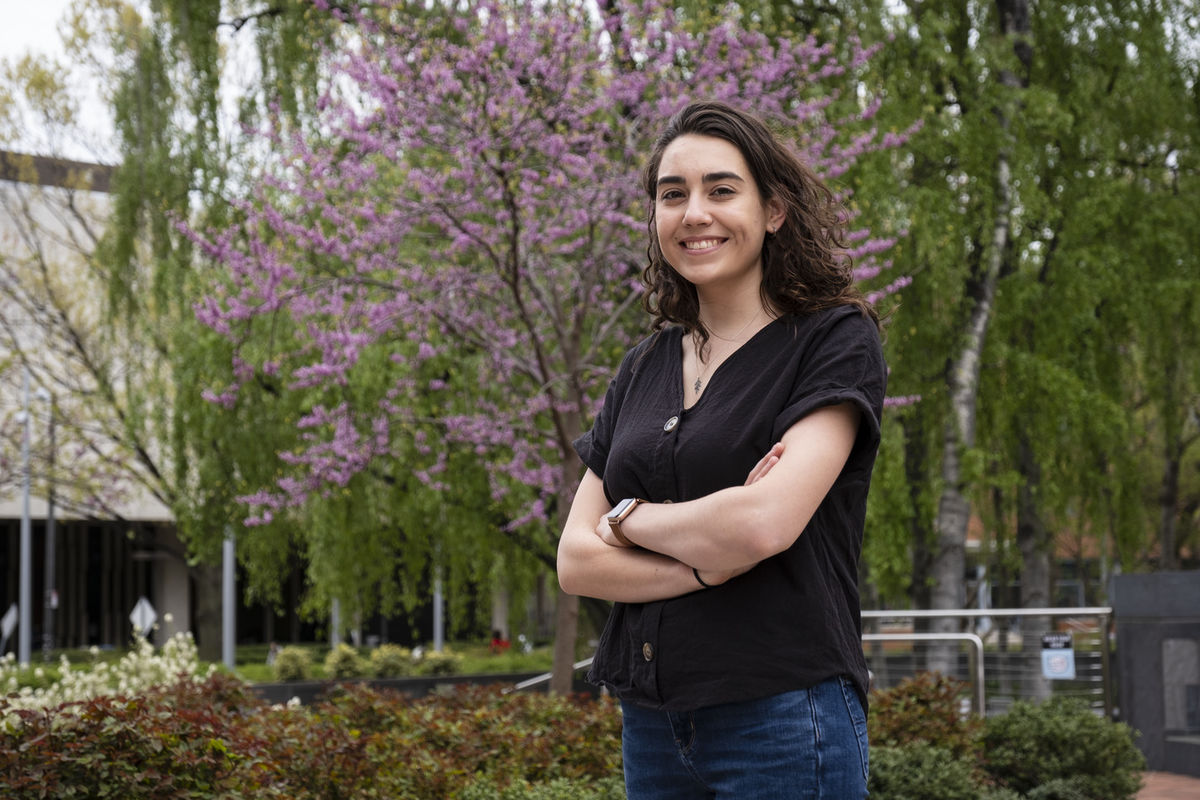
x: 1058, y: 657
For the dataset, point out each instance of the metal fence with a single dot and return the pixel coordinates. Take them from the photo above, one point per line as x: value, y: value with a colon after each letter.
x: 1000, y: 652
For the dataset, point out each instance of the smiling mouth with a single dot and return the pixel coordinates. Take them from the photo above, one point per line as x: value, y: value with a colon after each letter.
x: 701, y: 244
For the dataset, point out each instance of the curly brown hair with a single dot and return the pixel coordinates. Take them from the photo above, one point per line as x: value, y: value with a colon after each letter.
x: 805, y: 264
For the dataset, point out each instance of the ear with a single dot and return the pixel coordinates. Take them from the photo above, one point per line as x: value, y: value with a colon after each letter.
x: 776, y: 214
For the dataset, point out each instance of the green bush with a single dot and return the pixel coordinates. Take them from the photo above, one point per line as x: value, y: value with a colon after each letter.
x: 293, y: 663
x: 391, y: 661
x: 925, y: 708
x: 435, y: 663
x: 344, y: 661
x: 1060, y: 789
x: 1063, y: 749
x: 920, y: 771
x: 558, y: 789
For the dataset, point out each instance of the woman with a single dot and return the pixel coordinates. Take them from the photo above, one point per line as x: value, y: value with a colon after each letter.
x: 727, y: 473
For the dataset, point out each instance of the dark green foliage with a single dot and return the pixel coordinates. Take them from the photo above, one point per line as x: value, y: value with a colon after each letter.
x: 1060, y: 789
x: 1064, y: 748
x: 920, y: 771
x: 559, y: 789
x: 925, y: 708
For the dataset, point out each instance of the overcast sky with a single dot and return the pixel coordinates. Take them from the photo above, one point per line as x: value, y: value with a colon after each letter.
x: 31, y: 25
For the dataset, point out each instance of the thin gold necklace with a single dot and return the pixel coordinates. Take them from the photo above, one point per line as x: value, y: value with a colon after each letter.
x: 699, y: 384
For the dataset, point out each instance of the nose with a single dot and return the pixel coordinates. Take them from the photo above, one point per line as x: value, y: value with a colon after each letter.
x: 696, y: 212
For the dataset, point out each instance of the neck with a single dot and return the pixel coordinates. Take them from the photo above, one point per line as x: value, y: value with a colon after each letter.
x: 730, y: 317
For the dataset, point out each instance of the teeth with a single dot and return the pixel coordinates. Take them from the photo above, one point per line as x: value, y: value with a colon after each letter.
x: 701, y: 245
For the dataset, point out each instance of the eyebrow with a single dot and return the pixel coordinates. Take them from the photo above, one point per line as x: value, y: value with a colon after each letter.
x: 711, y: 177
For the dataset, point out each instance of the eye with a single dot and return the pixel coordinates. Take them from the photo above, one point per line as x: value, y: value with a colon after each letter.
x: 724, y: 191
x: 670, y: 194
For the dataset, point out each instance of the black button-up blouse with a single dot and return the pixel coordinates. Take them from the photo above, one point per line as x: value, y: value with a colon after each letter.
x: 794, y: 620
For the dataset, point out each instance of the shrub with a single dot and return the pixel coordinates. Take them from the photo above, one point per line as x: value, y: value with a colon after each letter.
x: 344, y: 661
x: 179, y: 741
x: 925, y: 708
x: 920, y: 771
x: 1065, y: 749
x: 558, y: 789
x: 216, y: 740
x: 293, y: 663
x: 391, y: 661
x: 435, y: 663
x: 139, y: 670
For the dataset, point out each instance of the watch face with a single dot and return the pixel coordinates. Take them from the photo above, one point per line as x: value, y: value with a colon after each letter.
x: 621, y: 507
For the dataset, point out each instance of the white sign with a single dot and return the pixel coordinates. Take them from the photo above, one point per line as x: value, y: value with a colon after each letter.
x: 143, y: 617
x: 7, y: 626
x: 1058, y: 657
x: 9, y: 623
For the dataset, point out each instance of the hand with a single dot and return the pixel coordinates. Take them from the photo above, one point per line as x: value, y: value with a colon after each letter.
x: 764, y: 464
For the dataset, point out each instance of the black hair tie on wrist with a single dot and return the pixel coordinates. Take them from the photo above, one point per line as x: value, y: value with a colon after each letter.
x: 700, y: 580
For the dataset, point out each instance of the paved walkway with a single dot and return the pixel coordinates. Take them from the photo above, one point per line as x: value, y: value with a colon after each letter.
x: 1166, y: 786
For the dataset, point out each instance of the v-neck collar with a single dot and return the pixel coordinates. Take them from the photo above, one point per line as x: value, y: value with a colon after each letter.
x: 680, y: 384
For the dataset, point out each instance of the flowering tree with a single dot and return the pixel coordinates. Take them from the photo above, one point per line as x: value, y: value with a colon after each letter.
x: 448, y: 269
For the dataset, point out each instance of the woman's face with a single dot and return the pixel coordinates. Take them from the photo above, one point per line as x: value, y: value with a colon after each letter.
x: 709, y: 214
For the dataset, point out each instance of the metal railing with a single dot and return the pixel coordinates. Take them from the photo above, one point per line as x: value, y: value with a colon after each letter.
x: 1009, y: 676
x: 978, y: 701
x: 1010, y: 663
x: 544, y: 678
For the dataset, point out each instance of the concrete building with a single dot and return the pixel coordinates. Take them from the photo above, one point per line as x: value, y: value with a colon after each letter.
x: 108, y: 551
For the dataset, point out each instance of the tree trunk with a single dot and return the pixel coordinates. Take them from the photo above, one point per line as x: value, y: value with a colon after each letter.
x: 916, y: 472
x: 1034, y: 542
x: 954, y: 510
x: 1168, y: 503
x: 566, y: 610
x: 206, y: 580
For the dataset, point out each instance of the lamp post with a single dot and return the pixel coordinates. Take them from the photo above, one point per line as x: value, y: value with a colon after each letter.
x: 25, y: 585
x: 50, y: 593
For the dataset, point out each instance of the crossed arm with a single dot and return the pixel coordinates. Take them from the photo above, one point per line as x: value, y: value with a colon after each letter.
x: 722, y: 534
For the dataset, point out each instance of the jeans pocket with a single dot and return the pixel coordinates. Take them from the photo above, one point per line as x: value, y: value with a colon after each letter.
x: 858, y: 719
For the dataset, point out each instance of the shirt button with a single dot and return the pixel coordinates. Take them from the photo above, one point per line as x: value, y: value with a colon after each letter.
x: 671, y: 423
x: 648, y: 651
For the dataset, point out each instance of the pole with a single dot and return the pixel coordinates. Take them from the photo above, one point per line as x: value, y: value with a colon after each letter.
x: 439, y: 617
x: 25, y: 591
x: 335, y: 623
x: 50, y: 602
x: 228, y: 597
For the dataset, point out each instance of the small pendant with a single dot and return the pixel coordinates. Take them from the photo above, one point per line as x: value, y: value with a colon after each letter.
x: 696, y: 386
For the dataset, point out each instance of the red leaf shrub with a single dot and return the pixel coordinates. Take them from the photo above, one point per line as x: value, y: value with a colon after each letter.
x: 924, y: 708
x: 217, y: 740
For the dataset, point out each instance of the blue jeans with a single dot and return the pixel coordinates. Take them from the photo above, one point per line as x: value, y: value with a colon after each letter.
x: 809, y: 744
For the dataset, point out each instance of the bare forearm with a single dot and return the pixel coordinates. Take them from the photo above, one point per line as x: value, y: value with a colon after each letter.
x: 621, y: 574
x: 591, y: 567
x: 747, y: 524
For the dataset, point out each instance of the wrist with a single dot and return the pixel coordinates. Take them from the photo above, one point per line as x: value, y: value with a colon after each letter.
x: 619, y: 513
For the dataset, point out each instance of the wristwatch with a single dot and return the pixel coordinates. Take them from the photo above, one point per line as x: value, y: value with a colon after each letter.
x: 618, y: 514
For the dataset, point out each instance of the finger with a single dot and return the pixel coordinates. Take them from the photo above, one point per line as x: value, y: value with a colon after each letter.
x: 772, y: 461
x: 765, y: 463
